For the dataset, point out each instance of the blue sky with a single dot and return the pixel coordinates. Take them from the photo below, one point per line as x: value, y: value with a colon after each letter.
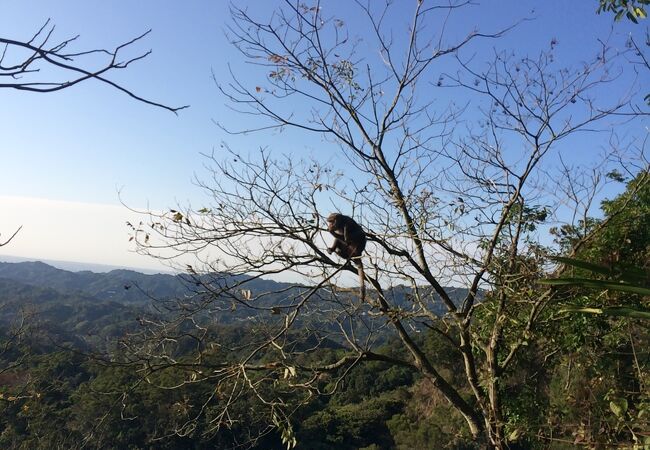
x: 63, y: 156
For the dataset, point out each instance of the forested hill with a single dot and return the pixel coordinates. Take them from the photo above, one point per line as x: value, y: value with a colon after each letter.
x: 115, y: 285
x: 124, y: 286
x: 131, y: 287
x: 63, y: 326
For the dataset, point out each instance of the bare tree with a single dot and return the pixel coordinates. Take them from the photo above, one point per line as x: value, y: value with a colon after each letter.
x: 449, y: 201
x: 40, y: 65
x: 8, y: 240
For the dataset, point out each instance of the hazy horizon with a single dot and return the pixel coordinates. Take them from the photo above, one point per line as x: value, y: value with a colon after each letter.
x: 79, y: 266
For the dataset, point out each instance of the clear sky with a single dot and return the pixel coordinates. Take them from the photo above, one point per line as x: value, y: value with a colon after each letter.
x: 65, y: 155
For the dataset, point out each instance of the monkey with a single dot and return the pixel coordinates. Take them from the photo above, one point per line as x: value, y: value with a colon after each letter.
x: 349, y: 243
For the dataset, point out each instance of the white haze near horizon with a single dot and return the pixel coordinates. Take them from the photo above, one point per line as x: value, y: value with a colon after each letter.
x: 80, y: 236
x: 99, y: 237
x: 77, y: 232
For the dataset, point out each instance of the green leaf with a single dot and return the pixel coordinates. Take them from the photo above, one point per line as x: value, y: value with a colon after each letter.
x: 587, y: 310
x: 618, y: 407
x: 583, y: 265
x: 616, y: 311
x: 615, y: 175
x: 596, y: 284
x: 512, y: 437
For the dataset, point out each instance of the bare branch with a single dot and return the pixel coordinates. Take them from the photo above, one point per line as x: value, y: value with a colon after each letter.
x: 22, y: 62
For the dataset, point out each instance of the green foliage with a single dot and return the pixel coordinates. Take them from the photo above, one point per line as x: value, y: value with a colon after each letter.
x: 353, y: 425
x: 38, y: 418
x: 625, y: 242
x: 631, y: 9
x: 601, y: 380
x: 599, y: 367
x: 615, y: 311
x: 427, y: 419
x: 621, y: 245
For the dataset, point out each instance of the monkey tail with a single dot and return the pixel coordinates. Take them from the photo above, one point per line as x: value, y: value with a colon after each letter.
x: 362, y: 279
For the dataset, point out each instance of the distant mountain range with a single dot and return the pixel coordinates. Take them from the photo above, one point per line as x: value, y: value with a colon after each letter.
x: 121, y: 285
x: 115, y: 285
x: 130, y: 287
x: 90, y: 308
x: 76, y: 266
x: 93, y: 309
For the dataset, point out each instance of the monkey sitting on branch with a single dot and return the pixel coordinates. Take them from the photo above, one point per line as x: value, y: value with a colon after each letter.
x: 349, y: 243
